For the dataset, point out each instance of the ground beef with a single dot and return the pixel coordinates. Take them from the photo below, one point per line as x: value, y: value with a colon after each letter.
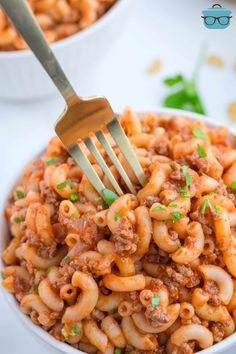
x: 157, y: 316
x: 124, y: 238
x: 48, y: 194
x: 160, y: 350
x: 33, y: 239
x: 20, y: 288
x: 217, y: 329
x: 186, y: 348
x: 90, y: 234
x: 149, y: 201
x: 211, y: 288
x: 97, y: 315
x: 101, y: 266
x: 162, y: 147
x: 133, y: 299
x: 47, y: 251
x: 59, y: 232
x: 183, y: 275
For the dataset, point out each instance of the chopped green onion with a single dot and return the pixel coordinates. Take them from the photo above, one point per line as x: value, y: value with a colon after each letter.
x: 173, y: 204
x: 188, y: 180
x: 198, y: 133
x: 76, y: 330
x: 117, y: 216
x: 52, y: 161
x: 67, y: 259
x: 109, y: 196
x: 70, y: 183
x: 74, y: 197
x: 20, y: 194
x: 179, y: 245
x: 204, y: 205
x: 155, y: 300
x: 176, y: 216
x: 114, y: 311
x: 18, y: 220
x: 159, y: 207
x: 117, y: 351
x: 201, y: 151
x: 3, y: 275
x: 35, y: 287
x: 62, y: 185
x: 184, y: 169
x: 218, y: 209
x: 233, y: 186
x: 75, y: 215
x: 182, y: 190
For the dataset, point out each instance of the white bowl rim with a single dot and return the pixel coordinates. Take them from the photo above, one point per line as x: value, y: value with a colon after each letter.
x: 102, y: 21
x: 66, y: 348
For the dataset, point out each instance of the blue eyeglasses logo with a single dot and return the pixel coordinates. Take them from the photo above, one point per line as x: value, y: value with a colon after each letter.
x: 216, y: 17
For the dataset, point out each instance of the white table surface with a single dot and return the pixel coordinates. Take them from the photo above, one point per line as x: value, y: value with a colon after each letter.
x: 166, y: 29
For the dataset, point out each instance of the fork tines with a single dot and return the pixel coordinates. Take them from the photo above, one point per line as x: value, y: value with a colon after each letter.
x: 126, y: 149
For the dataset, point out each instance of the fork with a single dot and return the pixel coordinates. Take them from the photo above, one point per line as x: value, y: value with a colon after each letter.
x: 82, y: 114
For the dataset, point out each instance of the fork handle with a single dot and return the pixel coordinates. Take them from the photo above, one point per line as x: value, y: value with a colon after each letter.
x: 23, y: 19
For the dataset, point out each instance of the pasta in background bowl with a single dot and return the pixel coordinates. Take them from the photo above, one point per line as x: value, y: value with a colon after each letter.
x: 76, y: 54
x: 167, y: 271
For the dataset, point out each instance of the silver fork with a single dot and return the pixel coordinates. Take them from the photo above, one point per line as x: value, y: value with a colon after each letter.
x: 81, y: 115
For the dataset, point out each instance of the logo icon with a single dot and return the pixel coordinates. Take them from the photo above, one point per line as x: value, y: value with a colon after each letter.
x: 216, y: 17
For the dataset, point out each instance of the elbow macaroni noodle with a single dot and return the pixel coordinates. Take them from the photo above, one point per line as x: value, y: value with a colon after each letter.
x: 152, y: 272
x: 57, y: 18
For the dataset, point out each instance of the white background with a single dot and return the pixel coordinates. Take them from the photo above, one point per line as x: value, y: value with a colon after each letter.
x: 169, y: 30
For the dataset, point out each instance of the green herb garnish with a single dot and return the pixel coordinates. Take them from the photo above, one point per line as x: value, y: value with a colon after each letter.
x: 179, y: 245
x: 198, y: 133
x: 233, y: 186
x: 176, y: 216
x: 62, y: 185
x: 35, y: 287
x: 117, y: 351
x: 188, y: 178
x: 184, y: 92
x: 74, y: 197
x: 114, y: 311
x: 20, y: 194
x: 18, y: 220
x: 201, y: 151
x: 75, y: 215
x: 67, y: 259
x: 70, y: 183
x: 155, y: 300
x: 159, y: 207
x: 173, y: 204
x: 3, y: 275
x: 218, y: 209
x: 51, y: 161
x: 117, y: 216
x: 76, y: 330
x: 204, y: 205
x: 109, y: 196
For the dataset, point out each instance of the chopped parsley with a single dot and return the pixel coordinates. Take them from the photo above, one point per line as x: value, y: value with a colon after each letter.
x: 75, y: 215
x: 233, y: 186
x: 114, y: 311
x: 20, y: 194
x: 198, y: 133
x: 188, y: 178
x: 204, y: 205
x: 61, y: 185
x: 74, y: 197
x: 159, y: 207
x: 51, y: 161
x: 109, y: 196
x: 155, y: 300
x: 117, y: 216
x: 67, y: 259
x: 76, y: 330
x: 117, y: 351
x: 65, y: 183
x: 218, y: 209
x: 3, y: 275
x: 183, y: 193
x: 173, y: 204
x: 35, y: 287
x: 176, y: 216
x: 201, y: 151
x: 18, y: 220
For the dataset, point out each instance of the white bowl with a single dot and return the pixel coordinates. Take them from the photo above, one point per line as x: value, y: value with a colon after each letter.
x: 22, y: 77
x: 41, y: 335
